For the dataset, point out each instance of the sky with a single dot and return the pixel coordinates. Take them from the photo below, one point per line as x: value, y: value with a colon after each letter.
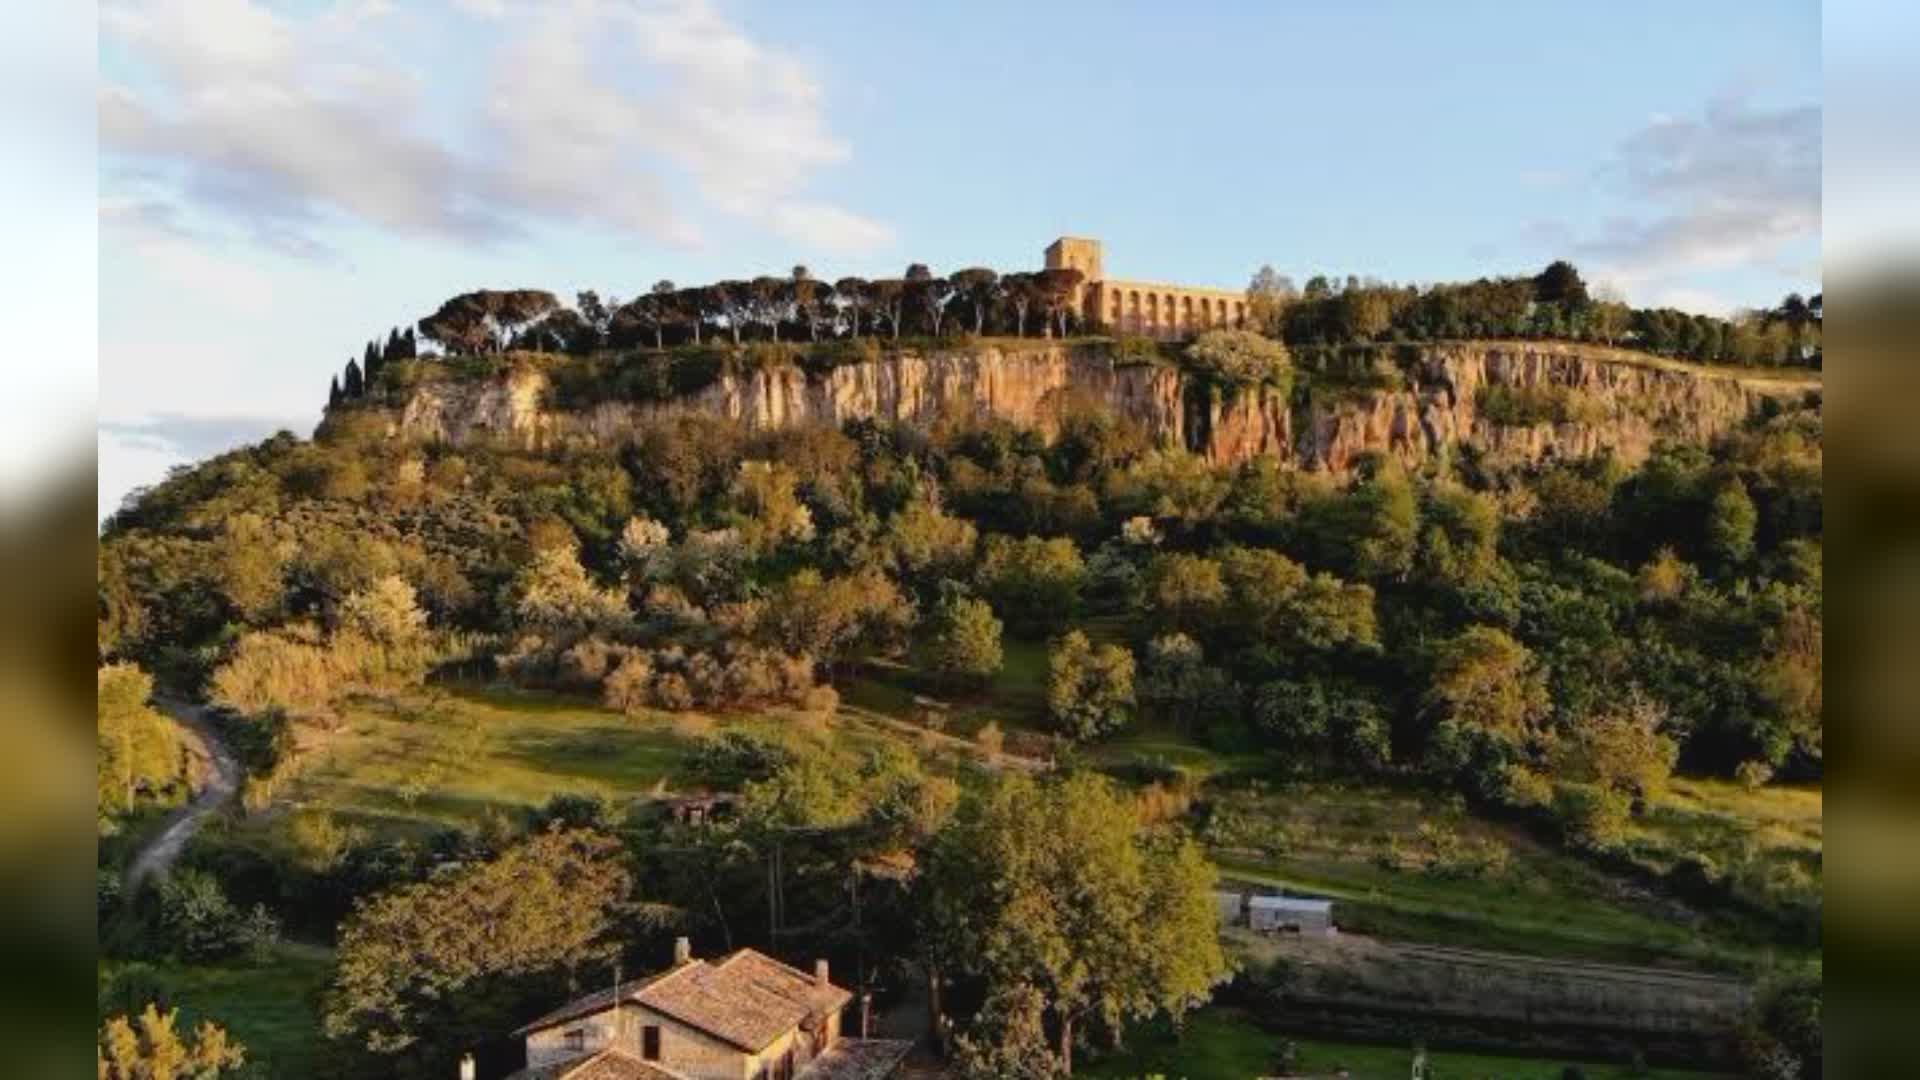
x: 279, y: 182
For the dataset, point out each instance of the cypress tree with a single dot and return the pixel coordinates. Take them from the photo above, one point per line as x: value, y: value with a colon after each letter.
x: 392, y: 351
x: 410, y: 347
x: 333, y: 393
x: 353, y: 387
x: 371, y: 362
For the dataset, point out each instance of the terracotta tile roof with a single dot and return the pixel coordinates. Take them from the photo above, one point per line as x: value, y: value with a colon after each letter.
x: 858, y: 1059
x: 747, y: 999
x: 608, y: 1064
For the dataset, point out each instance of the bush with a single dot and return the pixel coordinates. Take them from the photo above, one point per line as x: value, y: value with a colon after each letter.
x: 734, y: 759
x: 827, y: 355
x: 197, y: 919
x: 1242, y: 358
x: 1525, y: 406
x: 1592, y: 818
x: 570, y: 811
x: 287, y: 668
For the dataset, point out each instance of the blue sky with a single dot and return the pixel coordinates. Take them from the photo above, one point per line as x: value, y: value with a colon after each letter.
x: 278, y: 182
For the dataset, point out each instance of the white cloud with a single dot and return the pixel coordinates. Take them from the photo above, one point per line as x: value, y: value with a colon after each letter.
x: 1733, y: 188
x: 1697, y: 301
x: 643, y: 116
x: 831, y: 229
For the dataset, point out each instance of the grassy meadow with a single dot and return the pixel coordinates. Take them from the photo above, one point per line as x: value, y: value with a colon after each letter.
x: 1223, y: 1044
x: 272, y: 1008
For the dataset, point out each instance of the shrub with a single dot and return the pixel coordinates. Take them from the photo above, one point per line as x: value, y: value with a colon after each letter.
x: 1592, y: 818
x: 1242, y: 358
x: 1525, y: 406
x: 196, y: 917
x: 286, y: 668
x: 1753, y: 775
x: 629, y: 687
x: 735, y: 758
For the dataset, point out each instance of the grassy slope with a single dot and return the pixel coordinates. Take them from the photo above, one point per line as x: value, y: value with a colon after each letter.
x: 448, y: 756
x: 273, y: 1008
x: 1361, y: 844
x: 1221, y: 1044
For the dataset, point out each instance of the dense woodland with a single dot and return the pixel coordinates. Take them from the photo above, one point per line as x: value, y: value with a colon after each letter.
x: 1551, y: 643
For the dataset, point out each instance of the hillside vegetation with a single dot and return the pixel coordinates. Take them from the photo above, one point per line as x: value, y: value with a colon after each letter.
x: 1564, y: 707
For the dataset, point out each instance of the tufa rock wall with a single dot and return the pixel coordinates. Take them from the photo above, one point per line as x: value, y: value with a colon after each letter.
x: 1626, y: 402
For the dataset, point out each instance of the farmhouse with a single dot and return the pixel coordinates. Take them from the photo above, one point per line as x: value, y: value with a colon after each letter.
x: 745, y: 1016
x: 1291, y: 914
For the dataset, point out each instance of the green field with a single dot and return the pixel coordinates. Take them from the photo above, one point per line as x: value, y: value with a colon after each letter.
x: 447, y: 756
x: 272, y: 1008
x: 1416, y: 866
x: 1222, y: 1044
x: 1406, y: 864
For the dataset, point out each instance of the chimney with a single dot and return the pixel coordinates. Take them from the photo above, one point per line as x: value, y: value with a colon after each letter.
x: 820, y: 973
x: 466, y: 1067
x: 682, y: 951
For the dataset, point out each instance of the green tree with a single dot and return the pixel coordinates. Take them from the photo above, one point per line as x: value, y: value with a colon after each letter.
x: 197, y: 919
x: 138, y: 749
x: 1731, y: 518
x: 767, y: 511
x: 1560, y: 283
x: 554, y: 592
x: 978, y: 288
x: 1178, y: 686
x: 1268, y: 295
x: 1488, y: 703
x: 1364, y: 314
x: 1186, y: 592
x: 1271, y: 598
x: 1089, y: 689
x: 1035, y: 581
x: 148, y: 1048
x: 1058, y: 291
x: 1055, y: 886
x: 1623, y: 748
x: 423, y: 966
x: 1007, y: 1039
x: 253, y: 557
x: 928, y: 544
x: 966, y: 641
x: 385, y: 628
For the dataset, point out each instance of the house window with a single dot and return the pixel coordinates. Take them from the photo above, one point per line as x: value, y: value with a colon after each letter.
x: 577, y: 1040
x: 650, y: 1043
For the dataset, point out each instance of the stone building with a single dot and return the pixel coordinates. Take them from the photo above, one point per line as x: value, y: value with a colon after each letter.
x: 1151, y: 308
x: 745, y: 1016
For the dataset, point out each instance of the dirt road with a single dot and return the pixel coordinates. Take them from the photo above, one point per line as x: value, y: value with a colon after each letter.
x: 224, y: 779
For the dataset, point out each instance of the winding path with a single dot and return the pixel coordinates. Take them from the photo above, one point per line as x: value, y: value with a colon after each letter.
x: 159, y: 853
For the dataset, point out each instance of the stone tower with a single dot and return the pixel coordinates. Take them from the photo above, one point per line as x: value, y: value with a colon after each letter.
x: 1076, y: 253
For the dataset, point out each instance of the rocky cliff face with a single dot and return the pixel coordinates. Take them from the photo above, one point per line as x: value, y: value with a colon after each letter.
x: 1624, y: 403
